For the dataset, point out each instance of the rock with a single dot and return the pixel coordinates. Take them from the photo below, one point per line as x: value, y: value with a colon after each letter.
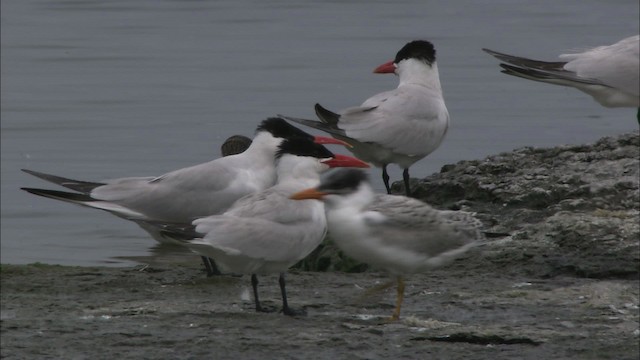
x: 571, y: 209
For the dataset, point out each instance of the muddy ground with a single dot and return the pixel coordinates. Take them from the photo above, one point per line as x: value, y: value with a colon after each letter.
x: 558, y: 279
x: 176, y: 312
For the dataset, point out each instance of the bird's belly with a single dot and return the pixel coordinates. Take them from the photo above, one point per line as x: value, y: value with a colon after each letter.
x: 355, y: 240
x: 361, y: 243
x: 247, y: 265
x: 405, y: 149
x: 379, y: 155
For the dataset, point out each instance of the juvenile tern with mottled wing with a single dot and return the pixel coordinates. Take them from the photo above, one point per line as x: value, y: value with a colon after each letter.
x: 396, y: 233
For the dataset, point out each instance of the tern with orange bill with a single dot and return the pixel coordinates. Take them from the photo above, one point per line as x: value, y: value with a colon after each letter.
x: 398, y: 234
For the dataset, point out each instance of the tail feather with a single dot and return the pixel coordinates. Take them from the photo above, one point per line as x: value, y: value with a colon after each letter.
x: 327, y: 116
x: 87, y: 200
x: 60, y: 195
x: 84, y: 187
x: 544, y: 71
x: 181, y: 232
x: 565, y: 78
x: 527, y: 63
x: 316, y: 125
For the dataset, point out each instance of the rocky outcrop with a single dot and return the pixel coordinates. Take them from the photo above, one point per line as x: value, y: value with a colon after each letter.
x: 565, y: 210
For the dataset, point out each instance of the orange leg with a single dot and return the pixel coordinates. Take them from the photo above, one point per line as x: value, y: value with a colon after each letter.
x: 399, y: 298
x: 376, y: 289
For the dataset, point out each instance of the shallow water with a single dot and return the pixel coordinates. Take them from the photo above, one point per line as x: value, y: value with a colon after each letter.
x: 95, y: 90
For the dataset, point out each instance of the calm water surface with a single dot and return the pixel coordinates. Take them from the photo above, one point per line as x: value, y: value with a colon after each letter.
x: 103, y: 89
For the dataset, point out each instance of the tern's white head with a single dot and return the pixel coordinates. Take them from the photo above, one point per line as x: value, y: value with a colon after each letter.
x: 301, y: 157
x: 415, y: 63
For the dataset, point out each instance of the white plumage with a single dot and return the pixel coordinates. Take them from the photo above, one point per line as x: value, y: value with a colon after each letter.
x: 183, y: 195
x: 266, y: 232
x: 400, y: 126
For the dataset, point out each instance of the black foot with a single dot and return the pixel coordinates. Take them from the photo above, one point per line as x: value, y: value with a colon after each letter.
x: 407, y: 183
x: 210, y: 266
x: 294, y: 312
x: 385, y: 178
x: 285, y: 304
x: 266, y: 309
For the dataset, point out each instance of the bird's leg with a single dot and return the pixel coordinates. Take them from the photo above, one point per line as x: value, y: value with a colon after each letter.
x: 376, y: 289
x: 285, y: 305
x: 283, y: 292
x: 214, y: 268
x: 396, y: 313
x: 385, y: 178
x: 405, y: 177
x: 254, y: 284
x: 210, y: 266
x: 207, y: 266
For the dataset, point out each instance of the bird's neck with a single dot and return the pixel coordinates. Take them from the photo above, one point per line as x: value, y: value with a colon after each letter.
x: 355, y: 201
x: 417, y: 72
x: 264, y: 145
x: 299, y: 170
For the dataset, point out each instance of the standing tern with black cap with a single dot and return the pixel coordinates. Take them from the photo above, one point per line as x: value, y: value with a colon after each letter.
x: 400, y: 126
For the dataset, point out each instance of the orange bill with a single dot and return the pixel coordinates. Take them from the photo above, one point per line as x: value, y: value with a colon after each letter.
x: 386, y: 68
x: 328, y: 140
x: 345, y: 161
x: 312, y: 193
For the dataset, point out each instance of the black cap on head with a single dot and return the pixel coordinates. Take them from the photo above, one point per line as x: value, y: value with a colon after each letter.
x: 417, y: 49
x: 342, y: 181
x: 303, y: 147
x: 235, y: 144
x: 279, y: 128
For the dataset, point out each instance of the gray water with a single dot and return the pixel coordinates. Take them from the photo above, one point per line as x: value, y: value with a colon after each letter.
x: 104, y: 89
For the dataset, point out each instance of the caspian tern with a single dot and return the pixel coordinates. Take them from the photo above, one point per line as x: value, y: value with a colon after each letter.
x: 266, y: 232
x: 235, y: 144
x: 185, y: 194
x: 610, y: 73
x: 400, y: 126
x: 396, y: 233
